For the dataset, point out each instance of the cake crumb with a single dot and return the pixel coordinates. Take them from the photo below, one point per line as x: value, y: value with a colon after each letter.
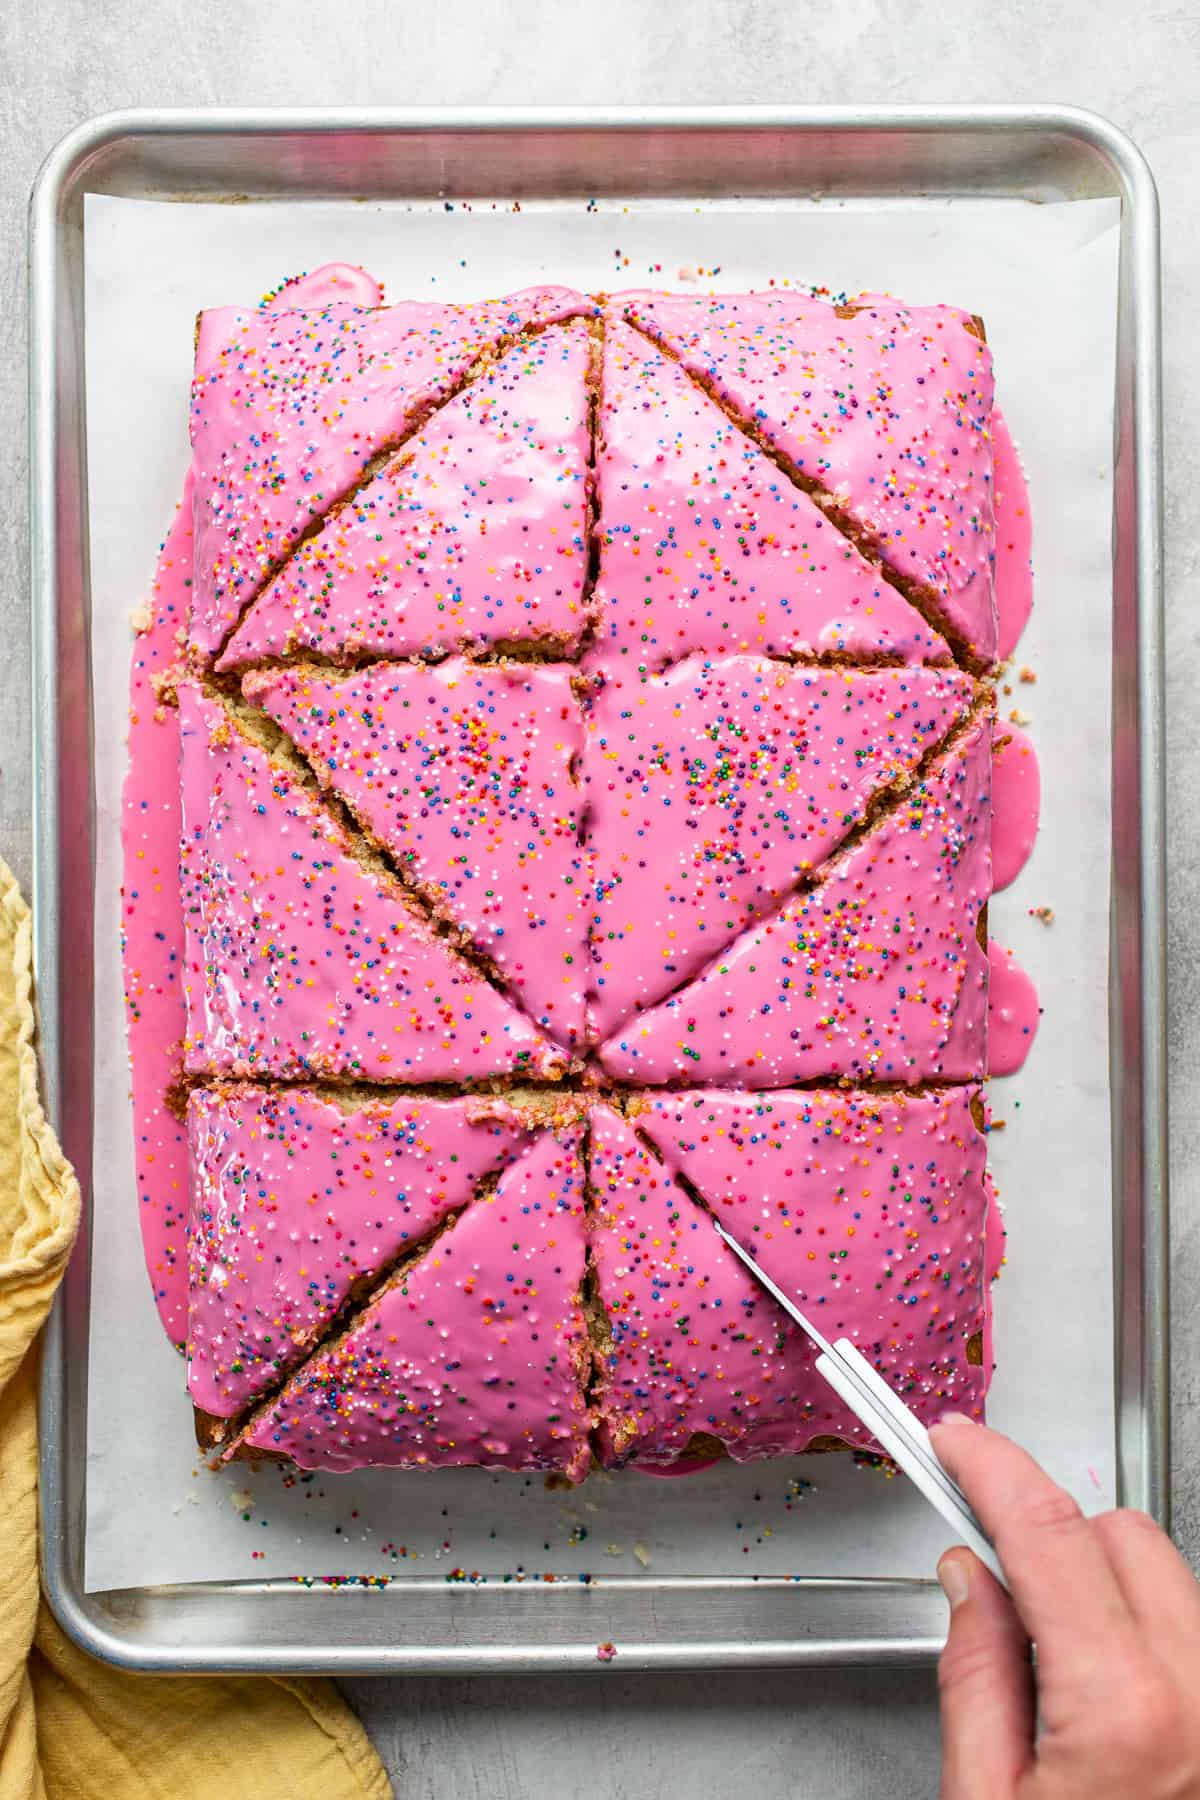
x: 241, y: 1500
x: 140, y: 618
x: 1027, y: 675
x: 1044, y: 913
x: 1017, y: 717
x: 642, y: 1554
x: 606, y: 1652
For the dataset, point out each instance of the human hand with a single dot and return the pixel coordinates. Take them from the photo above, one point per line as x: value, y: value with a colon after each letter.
x: 1111, y: 1711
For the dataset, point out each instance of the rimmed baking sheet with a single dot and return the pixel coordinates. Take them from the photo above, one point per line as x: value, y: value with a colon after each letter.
x: 704, y: 1569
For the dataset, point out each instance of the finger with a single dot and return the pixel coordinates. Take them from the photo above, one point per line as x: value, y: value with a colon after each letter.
x: 1062, y: 1581
x: 1159, y: 1588
x: 986, y: 1685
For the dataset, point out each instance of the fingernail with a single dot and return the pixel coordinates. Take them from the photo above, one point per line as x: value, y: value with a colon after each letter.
x: 955, y: 1418
x: 952, y: 1574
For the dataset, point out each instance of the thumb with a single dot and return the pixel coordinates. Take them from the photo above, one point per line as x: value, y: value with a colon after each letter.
x: 986, y: 1685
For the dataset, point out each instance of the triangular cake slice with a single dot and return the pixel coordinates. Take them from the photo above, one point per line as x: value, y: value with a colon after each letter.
x: 714, y: 788
x: 706, y: 545
x: 876, y: 973
x: 476, y: 1352
x: 466, y: 774
x: 869, y: 1209
x: 692, y: 1355
x: 302, y: 957
x: 291, y: 405
x: 298, y: 1200
x: 884, y: 408
x: 474, y: 536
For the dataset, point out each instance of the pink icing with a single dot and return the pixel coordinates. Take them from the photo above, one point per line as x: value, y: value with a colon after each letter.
x: 276, y: 901
x: 714, y: 787
x: 875, y: 973
x: 706, y: 545
x: 465, y: 773
x: 1014, y: 540
x: 475, y: 534
x: 332, y: 281
x: 1016, y: 803
x: 868, y: 1208
x: 995, y: 1241
x: 301, y: 961
x: 888, y: 410
x: 476, y: 1355
x: 289, y: 405
x: 294, y: 1202
x: 152, y: 931
x: 846, y: 1201
x: 1013, y: 1011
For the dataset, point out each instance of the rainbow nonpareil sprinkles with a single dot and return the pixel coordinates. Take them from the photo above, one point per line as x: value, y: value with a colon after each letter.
x: 559, y: 811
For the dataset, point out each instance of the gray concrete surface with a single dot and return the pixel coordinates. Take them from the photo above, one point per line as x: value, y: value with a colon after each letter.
x: 834, y: 1735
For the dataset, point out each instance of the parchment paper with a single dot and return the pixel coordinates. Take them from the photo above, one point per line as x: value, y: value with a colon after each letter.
x: 1044, y: 278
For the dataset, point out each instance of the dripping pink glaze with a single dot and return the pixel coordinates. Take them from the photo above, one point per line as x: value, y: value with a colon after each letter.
x: 714, y: 787
x: 300, y: 961
x: 152, y: 931
x: 1016, y: 803
x: 289, y: 405
x: 477, y: 1354
x: 465, y: 773
x: 874, y: 973
x: 1013, y: 1012
x: 995, y: 1238
x: 293, y: 1202
x: 889, y: 410
x: 331, y: 282
x: 1014, y: 540
x: 706, y: 545
x: 476, y: 532
x: 696, y: 1344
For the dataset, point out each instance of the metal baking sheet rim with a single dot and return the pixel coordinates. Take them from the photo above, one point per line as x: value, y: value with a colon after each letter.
x: 655, y: 1623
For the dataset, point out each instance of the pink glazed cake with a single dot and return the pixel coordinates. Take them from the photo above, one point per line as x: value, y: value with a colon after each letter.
x: 560, y: 815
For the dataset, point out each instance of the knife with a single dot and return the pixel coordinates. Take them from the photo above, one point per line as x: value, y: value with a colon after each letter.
x: 893, y: 1426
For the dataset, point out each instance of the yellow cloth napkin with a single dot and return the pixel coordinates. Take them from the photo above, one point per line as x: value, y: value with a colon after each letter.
x: 69, y: 1726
